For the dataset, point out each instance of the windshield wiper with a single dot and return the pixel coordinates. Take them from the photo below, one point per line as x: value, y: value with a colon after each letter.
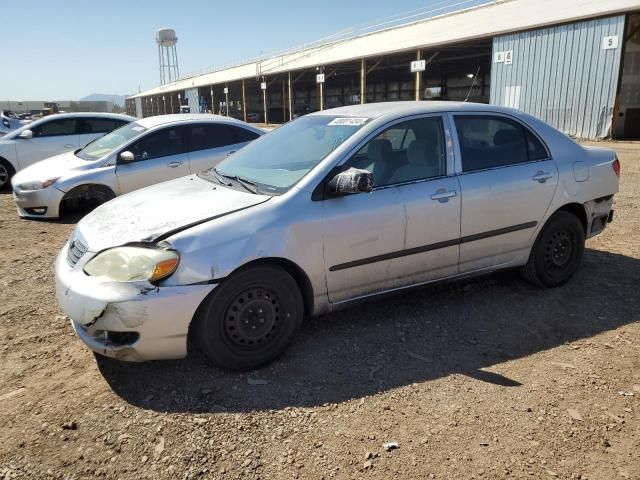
x: 247, y: 184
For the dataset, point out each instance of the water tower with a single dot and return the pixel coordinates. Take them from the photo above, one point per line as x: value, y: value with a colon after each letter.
x: 167, y: 55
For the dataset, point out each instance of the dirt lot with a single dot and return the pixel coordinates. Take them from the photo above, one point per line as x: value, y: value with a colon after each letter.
x: 490, y: 378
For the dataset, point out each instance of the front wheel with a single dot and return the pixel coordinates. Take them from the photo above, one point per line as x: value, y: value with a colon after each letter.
x: 557, y: 252
x: 6, y: 172
x: 250, y: 319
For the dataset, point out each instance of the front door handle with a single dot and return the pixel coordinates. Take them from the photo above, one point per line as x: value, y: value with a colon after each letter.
x: 442, y: 196
x: 68, y: 145
x: 174, y: 164
x: 542, y: 176
x: 230, y: 153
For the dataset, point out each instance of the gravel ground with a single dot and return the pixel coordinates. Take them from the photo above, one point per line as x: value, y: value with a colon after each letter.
x: 488, y: 378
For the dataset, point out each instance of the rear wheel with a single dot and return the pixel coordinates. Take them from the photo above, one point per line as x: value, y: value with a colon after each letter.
x: 557, y: 252
x: 6, y: 173
x: 250, y: 319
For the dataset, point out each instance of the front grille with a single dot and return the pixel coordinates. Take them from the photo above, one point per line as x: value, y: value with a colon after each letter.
x: 76, y: 249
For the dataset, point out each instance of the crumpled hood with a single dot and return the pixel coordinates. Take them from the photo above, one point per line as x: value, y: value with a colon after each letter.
x: 57, y: 166
x: 145, y: 214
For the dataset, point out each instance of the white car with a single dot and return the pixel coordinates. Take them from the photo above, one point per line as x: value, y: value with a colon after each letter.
x: 50, y: 136
x: 326, y: 210
x: 137, y: 155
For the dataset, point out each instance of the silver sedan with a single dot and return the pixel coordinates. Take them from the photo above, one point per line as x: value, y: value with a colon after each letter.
x: 140, y: 154
x: 331, y: 208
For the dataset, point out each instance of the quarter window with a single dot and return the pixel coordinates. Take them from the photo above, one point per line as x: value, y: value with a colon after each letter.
x: 168, y: 141
x: 54, y: 128
x: 408, y: 151
x: 490, y: 142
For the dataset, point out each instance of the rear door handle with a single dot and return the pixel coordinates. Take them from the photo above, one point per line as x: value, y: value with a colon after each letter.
x: 444, y: 195
x: 542, y: 176
x: 230, y: 153
x: 68, y: 145
x: 174, y: 164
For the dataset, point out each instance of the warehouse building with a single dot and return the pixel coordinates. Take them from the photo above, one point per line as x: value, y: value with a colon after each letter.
x: 573, y: 63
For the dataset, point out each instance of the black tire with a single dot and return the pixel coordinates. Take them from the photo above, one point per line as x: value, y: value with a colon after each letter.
x: 6, y: 173
x: 557, y: 252
x: 250, y: 319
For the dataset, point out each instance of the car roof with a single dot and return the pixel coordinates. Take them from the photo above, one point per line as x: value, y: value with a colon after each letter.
x: 376, y: 110
x: 88, y: 114
x: 39, y: 121
x: 150, y: 122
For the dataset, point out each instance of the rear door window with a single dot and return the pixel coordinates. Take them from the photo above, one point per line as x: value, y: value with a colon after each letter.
x: 205, y: 136
x: 493, y: 141
x: 99, y: 125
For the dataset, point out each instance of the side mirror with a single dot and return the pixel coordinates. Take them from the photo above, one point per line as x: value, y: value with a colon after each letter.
x: 351, y: 181
x: 26, y: 134
x: 126, y: 156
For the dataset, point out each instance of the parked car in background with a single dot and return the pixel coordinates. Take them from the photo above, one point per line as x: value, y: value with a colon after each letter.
x: 9, y: 121
x: 139, y: 154
x: 50, y: 136
x: 332, y: 208
x: 253, y: 117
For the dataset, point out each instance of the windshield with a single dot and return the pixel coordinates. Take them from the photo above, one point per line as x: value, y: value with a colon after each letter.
x: 111, y: 141
x: 278, y: 160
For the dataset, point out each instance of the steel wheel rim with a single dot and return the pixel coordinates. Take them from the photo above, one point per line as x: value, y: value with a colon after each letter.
x: 252, y: 319
x: 558, y: 251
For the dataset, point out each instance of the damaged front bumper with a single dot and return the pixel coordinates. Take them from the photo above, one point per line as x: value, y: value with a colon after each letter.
x: 127, y: 321
x: 43, y: 203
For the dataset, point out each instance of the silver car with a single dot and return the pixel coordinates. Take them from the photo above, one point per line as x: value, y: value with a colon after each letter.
x: 331, y: 208
x: 140, y: 154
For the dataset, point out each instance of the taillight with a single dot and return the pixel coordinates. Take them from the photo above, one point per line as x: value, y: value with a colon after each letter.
x: 616, y: 166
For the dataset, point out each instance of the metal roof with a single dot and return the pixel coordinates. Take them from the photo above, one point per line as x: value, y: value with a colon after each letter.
x: 505, y: 16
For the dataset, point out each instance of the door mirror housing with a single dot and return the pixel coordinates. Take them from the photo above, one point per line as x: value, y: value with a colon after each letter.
x: 126, y: 157
x: 350, y: 181
x: 26, y: 134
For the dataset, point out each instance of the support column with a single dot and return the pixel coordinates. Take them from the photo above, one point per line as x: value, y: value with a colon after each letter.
x: 322, y: 92
x: 418, y: 77
x: 226, y: 100
x: 290, y: 100
x: 363, y: 80
x: 244, y: 102
x: 213, y: 108
x: 264, y: 104
x: 284, y: 107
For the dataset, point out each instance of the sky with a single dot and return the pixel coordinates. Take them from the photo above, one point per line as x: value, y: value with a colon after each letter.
x: 67, y: 49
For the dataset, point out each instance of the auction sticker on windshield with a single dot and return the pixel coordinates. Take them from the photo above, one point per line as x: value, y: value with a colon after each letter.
x: 350, y: 121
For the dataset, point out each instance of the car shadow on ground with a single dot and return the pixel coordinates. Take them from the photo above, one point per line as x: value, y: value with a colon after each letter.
x: 429, y: 333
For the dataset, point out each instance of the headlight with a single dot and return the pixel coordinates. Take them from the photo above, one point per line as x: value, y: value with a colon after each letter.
x: 132, y: 264
x: 37, y: 185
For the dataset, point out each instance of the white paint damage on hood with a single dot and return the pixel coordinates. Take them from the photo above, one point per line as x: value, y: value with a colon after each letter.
x: 145, y: 214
